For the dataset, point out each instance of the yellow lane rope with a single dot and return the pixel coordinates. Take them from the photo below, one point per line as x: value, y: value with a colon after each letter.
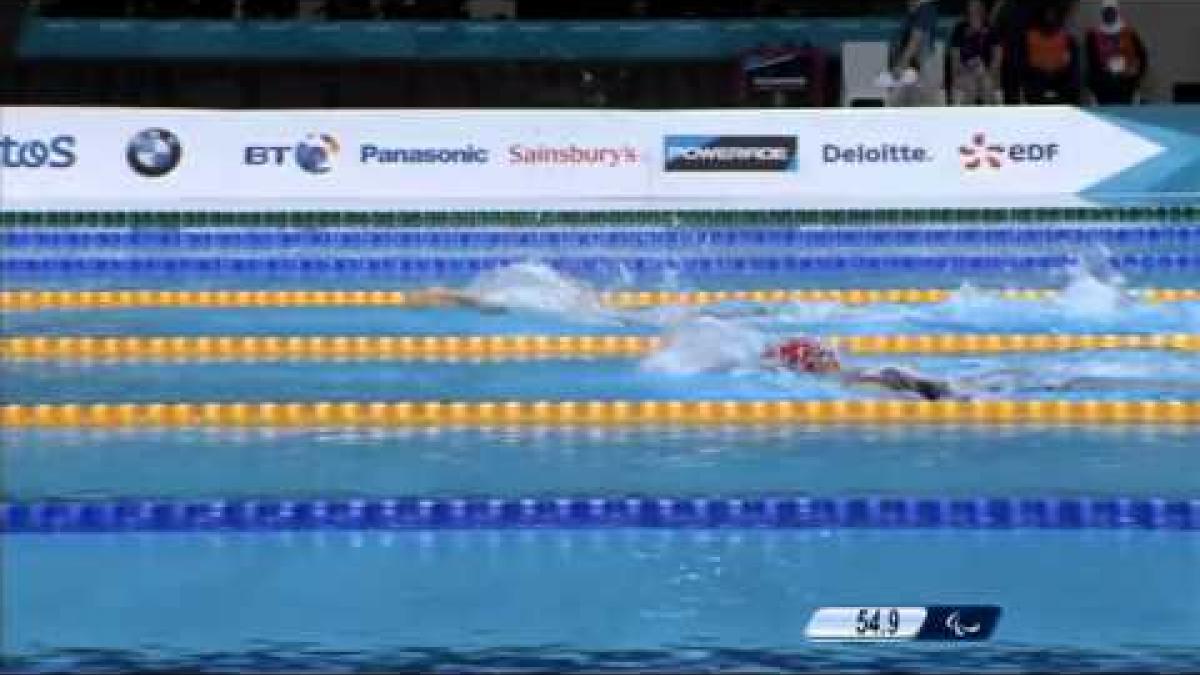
x: 513, y: 347
x: 34, y: 300
x: 595, y: 413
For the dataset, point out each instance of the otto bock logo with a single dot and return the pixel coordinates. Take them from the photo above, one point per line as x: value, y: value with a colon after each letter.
x: 730, y: 153
x: 980, y: 153
x: 154, y: 153
x: 57, y: 152
x: 314, y: 154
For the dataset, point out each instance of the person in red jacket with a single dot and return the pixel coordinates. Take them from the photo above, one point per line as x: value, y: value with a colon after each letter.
x: 1116, y: 58
x: 1048, y: 60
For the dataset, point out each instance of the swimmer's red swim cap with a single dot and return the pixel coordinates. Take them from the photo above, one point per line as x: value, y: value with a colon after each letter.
x: 805, y: 355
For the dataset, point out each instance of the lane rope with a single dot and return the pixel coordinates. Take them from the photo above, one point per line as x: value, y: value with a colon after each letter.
x: 133, y: 515
x: 194, y: 238
x: 523, y: 347
x: 1156, y: 214
x: 378, y: 414
x: 27, y: 300
x: 400, y: 266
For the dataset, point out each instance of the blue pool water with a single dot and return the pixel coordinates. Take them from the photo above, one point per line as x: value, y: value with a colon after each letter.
x: 1087, y: 599
x: 607, y: 599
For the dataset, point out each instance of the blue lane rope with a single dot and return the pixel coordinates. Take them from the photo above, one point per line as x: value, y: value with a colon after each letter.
x: 611, y: 512
x: 739, y: 237
x: 419, y: 267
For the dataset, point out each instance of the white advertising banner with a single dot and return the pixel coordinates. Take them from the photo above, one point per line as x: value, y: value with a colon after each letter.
x: 63, y: 158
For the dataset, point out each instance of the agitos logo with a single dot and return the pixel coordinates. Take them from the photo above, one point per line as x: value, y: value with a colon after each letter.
x: 730, y: 153
x: 979, y: 153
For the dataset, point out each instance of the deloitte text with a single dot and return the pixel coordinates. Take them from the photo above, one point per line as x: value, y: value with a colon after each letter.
x: 572, y: 155
x: 470, y: 154
x: 885, y: 153
x: 55, y: 153
x: 730, y: 153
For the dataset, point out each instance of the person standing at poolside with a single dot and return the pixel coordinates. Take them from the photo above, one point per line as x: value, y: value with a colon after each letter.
x: 909, y: 54
x: 971, y: 58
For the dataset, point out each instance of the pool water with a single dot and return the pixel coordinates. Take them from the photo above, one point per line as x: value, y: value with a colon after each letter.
x: 606, y: 599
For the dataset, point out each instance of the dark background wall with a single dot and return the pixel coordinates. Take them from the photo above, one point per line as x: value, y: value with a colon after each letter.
x: 381, y: 83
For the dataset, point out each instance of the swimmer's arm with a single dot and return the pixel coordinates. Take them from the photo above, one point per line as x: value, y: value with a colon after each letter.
x: 448, y: 297
x: 926, y: 387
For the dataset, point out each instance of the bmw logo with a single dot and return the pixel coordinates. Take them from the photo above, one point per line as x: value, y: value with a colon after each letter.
x: 154, y: 153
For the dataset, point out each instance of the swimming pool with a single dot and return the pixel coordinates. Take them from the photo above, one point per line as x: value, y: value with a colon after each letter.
x: 1109, y: 587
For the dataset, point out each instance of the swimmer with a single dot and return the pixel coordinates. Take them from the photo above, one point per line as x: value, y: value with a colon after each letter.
x: 809, y: 356
x: 440, y: 296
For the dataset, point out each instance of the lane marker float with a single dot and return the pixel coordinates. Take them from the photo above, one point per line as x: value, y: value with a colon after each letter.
x: 775, y: 512
x: 329, y: 414
x: 28, y: 300
x: 524, y: 347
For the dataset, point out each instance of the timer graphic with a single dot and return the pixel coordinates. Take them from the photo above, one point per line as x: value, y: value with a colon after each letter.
x: 950, y: 623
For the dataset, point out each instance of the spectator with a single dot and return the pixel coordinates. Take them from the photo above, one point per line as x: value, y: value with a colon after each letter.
x: 1116, y: 58
x: 1048, y: 60
x: 1010, y: 19
x: 971, y: 58
x: 909, y: 53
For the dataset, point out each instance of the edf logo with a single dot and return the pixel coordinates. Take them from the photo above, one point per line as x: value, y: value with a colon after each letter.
x: 980, y: 153
x: 315, y: 154
x: 56, y: 153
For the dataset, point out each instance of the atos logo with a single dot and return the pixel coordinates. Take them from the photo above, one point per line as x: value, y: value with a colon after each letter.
x: 979, y: 153
x: 315, y: 154
x: 53, y: 153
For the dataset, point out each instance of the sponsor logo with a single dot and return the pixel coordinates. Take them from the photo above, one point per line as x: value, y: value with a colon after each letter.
x: 730, y: 153
x: 154, y: 153
x: 315, y: 154
x: 972, y: 623
x: 371, y: 153
x: 573, y: 155
x: 884, y: 153
x: 955, y: 625
x: 978, y: 153
x: 54, y: 153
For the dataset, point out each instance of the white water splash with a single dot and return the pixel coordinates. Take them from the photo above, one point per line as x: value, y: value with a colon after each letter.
x: 1094, y: 289
x: 625, y: 276
x: 539, y: 288
x: 706, y: 344
x: 1094, y: 298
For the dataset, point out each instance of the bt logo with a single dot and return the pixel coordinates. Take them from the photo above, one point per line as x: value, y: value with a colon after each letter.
x: 979, y: 153
x: 314, y: 154
x: 56, y: 153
